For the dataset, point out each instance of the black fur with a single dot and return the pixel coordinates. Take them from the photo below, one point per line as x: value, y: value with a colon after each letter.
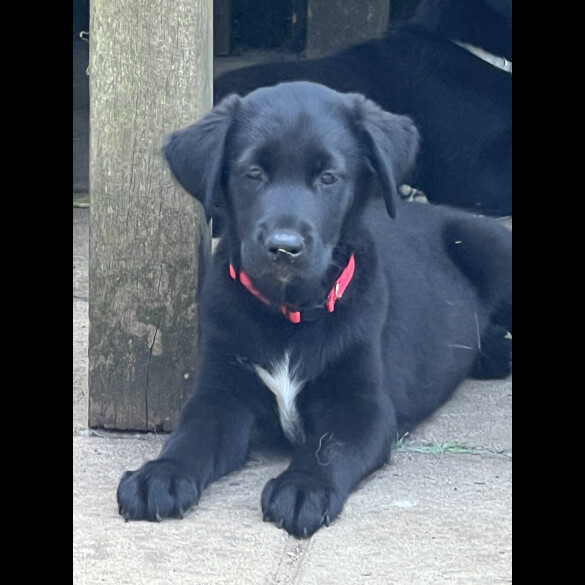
x: 430, y: 302
x: 461, y: 104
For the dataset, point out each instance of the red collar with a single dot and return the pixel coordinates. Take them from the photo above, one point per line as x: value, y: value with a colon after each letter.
x: 294, y: 316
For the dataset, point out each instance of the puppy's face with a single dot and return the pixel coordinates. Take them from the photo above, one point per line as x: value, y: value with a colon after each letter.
x: 293, y: 165
x: 293, y: 173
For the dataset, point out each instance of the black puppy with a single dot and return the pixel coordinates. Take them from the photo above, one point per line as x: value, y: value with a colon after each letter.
x: 461, y: 104
x: 334, y: 315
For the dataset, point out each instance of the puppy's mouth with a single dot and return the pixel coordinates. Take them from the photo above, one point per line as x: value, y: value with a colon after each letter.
x: 288, y: 285
x: 286, y: 269
x: 288, y: 280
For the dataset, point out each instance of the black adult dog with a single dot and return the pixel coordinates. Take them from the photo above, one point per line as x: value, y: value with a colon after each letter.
x: 335, y: 316
x: 461, y: 104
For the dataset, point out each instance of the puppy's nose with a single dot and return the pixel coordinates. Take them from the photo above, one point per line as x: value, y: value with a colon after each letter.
x: 284, y: 243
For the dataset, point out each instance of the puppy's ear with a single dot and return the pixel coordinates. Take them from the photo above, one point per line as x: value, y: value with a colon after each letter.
x: 393, y: 142
x: 196, y: 153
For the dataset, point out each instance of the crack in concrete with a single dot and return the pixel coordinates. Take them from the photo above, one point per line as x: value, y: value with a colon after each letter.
x: 291, y: 562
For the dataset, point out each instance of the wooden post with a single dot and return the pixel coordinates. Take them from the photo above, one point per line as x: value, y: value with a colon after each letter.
x: 150, y: 73
x: 333, y: 25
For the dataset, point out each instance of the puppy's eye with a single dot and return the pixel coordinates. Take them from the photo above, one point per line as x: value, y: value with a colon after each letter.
x: 328, y: 178
x: 255, y: 173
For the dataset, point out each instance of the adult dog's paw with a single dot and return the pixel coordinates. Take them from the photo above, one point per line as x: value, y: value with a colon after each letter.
x: 155, y: 491
x: 300, y: 502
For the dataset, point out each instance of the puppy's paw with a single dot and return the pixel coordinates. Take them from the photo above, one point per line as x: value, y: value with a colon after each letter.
x: 300, y: 502
x: 159, y: 489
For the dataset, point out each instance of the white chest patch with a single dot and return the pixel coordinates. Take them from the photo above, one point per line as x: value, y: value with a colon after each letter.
x: 282, y: 382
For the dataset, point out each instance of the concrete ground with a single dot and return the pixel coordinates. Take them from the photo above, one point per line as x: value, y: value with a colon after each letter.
x: 439, y: 513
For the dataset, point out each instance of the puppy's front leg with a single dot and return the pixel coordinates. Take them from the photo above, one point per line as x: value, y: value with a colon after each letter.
x: 211, y: 440
x: 349, y: 437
